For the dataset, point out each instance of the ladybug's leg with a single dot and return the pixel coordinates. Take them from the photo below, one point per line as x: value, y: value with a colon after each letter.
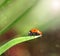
x: 33, y: 34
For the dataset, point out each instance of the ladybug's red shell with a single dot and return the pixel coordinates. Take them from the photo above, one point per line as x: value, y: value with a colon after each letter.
x: 35, y: 32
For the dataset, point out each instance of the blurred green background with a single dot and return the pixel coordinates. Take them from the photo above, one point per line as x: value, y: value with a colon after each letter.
x: 28, y: 14
x: 17, y: 17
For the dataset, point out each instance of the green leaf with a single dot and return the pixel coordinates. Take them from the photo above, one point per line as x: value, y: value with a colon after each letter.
x: 15, y: 41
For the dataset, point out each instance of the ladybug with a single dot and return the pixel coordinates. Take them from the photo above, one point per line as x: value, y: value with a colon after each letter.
x: 35, y: 32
